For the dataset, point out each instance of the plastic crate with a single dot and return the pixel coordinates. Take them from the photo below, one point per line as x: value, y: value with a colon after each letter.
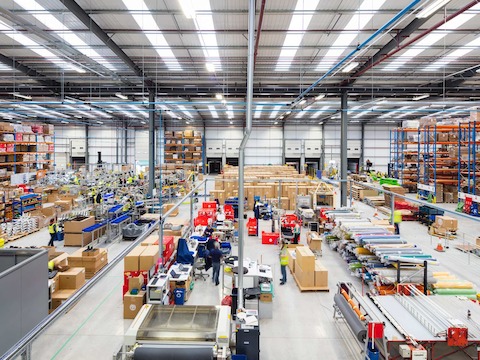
x: 270, y: 238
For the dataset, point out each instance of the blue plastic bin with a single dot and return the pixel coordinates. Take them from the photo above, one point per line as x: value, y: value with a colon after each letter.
x: 179, y: 296
x: 239, y: 357
x: 372, y: 354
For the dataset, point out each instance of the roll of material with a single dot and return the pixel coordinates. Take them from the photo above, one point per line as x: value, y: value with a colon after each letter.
x: 171, y: 352
x: 351, y: 318
x: 453, y: 285
x: 455, y: 291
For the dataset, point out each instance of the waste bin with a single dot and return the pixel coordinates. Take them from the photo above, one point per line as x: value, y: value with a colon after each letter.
x: 179, y: 296
x: 372, y: 352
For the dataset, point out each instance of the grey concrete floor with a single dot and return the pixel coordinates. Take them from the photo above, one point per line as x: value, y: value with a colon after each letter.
x: 302, y: 326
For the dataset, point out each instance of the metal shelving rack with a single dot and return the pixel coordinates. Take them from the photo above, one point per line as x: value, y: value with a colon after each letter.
x: 404, y: 156
x: 184, y: 148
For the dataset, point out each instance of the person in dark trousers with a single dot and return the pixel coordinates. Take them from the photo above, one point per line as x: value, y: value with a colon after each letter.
x: 217, y: 257
x: 208, y: 231
x: 52, y: 230
x: 369, y: 165
x: 296, y: 233
x: 210, y: 247
x: 283, y: 263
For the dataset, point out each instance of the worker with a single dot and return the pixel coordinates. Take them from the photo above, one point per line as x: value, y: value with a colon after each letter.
x: 283, y: 263
x: 397, y: 219
x: 208, y: 231
x: 130, y: 180
x: 369, y: 165
x: 76, y: 181
x: 52, y: 230
x: 296, y: 233
x: 217, y: 256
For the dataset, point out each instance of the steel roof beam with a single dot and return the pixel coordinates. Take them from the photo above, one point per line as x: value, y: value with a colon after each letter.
x: 76, y: 10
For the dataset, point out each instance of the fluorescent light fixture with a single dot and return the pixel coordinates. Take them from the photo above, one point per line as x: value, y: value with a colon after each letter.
x: 432, y: 8
x: 350, y: 67
x: 206, y: 31
x: 213, y: 111
x: 143, y: 122
x: 187, y: 8
x: 390, y: 121
x: 231, y: 122
x: 275, y: 123
x: 121, y: 96
x: 462, y: 51
x: 288, y: 112
x: 320, y: 123
x: 303, y: 101
x: 37, y: 48
x: 144, y: 19
x: 186, y: 122
x: 100, y: 122
x: 210, y: 67
x: 185, y: 111
x: 50, y: 21
x: 224, y: 101
x: 26, y: 97
x: 421, y: 97
x: 219, y: 96
x: 298, y: 25
x: 354, y: 121
x: 359, y: 20
x: 230, y: 111
x: 274, y: 113
x: 258, y: 111
x: 300, y: 114
x: 64, y: 122
x: 320, y: 97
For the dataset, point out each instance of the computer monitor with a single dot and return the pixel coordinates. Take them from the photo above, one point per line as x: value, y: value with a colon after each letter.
x: 313, y: 226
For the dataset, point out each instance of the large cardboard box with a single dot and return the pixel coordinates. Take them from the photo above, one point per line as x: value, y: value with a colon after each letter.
x: 321, y: 275
x: 446, y: 222
x: 305, y: 278
x: 132, y: 260
x: 64, y: 205
x: 151, y: 240
x: 60, y: 296
x: 305, y: 258
x: 78, y: 224
x: 291, y: 259
x: 135, y: 282
x: 74, y: 239
x: 72, y: 279
x: 149, y: 257
x: 314, y: 241
x: 167, y: 207
x: 132, y: 304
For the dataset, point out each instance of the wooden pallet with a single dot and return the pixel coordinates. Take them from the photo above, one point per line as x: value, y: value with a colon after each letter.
x: 374, y: 200
x: 309, y: 288
x: 16, y: 237
x: 466, y: 248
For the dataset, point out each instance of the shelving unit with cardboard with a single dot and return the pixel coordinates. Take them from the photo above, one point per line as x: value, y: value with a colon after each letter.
x: 404, y: 149
x: 25, y: 148
x: 184, y: 147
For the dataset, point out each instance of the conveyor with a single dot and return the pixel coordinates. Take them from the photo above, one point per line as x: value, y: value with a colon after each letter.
x: 413, y: 326
x: 179, y: 332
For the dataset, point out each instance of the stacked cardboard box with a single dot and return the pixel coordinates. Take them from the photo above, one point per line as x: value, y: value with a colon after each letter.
x: 91, y: 260
x: 73, y: 231
x: 132, y: 304
x: 67, y: 283
x: 395, y: 189
x: 141, y: 258
x: 304, y: 267
x: 444, y: 225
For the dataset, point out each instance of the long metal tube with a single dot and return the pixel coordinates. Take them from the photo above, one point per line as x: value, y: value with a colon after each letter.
x: 151, y: 143
x: 380, y: 31
x: 343, y: 150
x: 259, y: 31
x: 246, y: 136
x: 416, y: 38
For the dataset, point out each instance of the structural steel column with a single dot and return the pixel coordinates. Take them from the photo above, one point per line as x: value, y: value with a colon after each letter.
x: 322, y: 156
x: 126, y: 144
x: 151, y: 142
x: 87, y: 154
x: 343, y: 150
x: 362, y: 148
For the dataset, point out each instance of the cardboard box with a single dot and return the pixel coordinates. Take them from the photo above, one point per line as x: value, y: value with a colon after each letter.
x: 148, y: 257
x: 187, y: 133
x: 321, y: 275
x: 78, y: 224
x: 446, y: 222
x: 314, y: 241
x: 135, y: 283
x: 64, y: 205
x: 72, y: 279
x: 51, y: 250
x: 305, y: 278
x: 167, y: 207
x: 60, y: 296
x: 132, y: 260
x: 442, y: 137
x: 291, y: 259
x: 90, y: 253
x: 149, y: 241
x: 59, y: 259
x: 304, y: 258
x: 132, y: 304
x: 72, y: 239
x: 267, y: 297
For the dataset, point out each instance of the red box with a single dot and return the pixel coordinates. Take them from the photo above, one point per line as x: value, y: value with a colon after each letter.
x: 37, y: 129
x: 10, y: 148
x: 375, y: 330
x: 270, y: 238
x: 51, y: 147
x: 168, y: 247
x: 18, y: 137
x: 3, y: 148
x: 200, y: 220
x: 209, y: 205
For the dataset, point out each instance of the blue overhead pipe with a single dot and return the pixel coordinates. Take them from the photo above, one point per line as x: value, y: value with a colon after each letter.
x: 359, y: 47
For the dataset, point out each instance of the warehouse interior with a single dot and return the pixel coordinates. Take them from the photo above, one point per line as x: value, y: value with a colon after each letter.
x: 334, y: 141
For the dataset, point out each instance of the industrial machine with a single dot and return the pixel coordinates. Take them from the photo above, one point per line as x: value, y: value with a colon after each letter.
x: 407, y: 324
x: 158, y: 289
x: 179, y: 332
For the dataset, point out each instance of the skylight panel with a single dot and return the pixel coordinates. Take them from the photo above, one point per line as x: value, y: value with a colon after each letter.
x: 300, y: 114
x: 203, y: 19
x: 184, y: 110
x: 275, y: 111
x: 61, y: 30
x: 213, y: 111
x: 320, y: 112
x: 258, y: 111
x: 447, y: 59
x: 362, y: 17
x: 299, y: 24
x: 144, y: 19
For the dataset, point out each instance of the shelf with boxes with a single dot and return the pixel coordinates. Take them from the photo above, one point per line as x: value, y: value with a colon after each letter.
x: 184, y: 147
x: 25, y: 148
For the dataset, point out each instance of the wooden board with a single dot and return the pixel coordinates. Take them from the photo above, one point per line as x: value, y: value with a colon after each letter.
x: 309, y: 288
x: 466, y: 248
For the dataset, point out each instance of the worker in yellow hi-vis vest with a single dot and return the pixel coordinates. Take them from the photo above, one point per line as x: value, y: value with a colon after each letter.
x: 397, y: 219
x: 283, y: 263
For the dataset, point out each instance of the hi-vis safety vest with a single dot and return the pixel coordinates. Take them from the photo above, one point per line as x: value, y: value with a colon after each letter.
x: 283, y: 257
x: 397, y: 217
x: 52, y: 229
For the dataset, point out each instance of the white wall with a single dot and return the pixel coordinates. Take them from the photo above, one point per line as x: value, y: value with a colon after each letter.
x: 377, y: 146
